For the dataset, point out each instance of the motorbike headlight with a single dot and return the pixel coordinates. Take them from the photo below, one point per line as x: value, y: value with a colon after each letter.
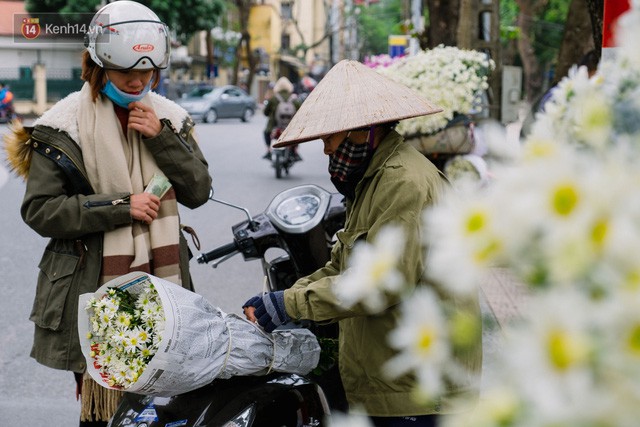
x: 299, y: 209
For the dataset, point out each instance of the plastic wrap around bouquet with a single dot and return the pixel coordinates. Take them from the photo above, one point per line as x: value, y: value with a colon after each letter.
x: 145, y: 335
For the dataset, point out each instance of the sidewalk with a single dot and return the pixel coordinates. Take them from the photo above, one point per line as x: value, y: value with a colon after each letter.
x: 501, y: 301
x: 503, y: 296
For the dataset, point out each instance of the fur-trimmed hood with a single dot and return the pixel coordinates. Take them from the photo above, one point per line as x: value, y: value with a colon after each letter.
x: 63, y: 117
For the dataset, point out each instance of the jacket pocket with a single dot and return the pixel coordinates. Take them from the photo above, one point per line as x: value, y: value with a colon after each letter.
x: 348, y: 240
x: 54, y: 281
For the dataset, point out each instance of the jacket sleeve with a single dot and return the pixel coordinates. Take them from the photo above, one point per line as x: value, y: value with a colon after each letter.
x: 49, y: 210
x: 395, y: 201
x: 311, y: 297
x: 180, y: 159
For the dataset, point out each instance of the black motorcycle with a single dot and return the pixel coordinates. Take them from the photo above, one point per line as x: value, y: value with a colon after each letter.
x: 302, y: 222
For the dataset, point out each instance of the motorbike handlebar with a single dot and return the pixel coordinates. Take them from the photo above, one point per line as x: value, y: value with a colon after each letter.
x: 218, y: 253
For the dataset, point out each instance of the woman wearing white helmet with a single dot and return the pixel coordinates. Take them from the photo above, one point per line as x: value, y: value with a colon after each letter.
x: 95, y: 153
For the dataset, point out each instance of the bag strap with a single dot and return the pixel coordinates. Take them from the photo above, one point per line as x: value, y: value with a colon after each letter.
x: 75, y: 177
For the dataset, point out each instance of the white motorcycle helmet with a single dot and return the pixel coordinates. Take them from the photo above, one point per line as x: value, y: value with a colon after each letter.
x: 125, y: 35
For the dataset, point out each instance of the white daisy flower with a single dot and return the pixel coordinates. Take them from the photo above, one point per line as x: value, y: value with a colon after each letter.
x: 422, y: 340
x: 372, y: 271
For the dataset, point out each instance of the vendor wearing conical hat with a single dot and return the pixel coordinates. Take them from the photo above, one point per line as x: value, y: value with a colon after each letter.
x: 353, y: 110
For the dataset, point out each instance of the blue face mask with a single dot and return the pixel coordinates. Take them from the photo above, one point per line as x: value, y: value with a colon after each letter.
x: 121, y: 98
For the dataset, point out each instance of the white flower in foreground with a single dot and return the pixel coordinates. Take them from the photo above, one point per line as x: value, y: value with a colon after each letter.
x: 499, y: 407
x: 348, y: 420
x: 463, y: 244
x: 550, y: 358
x: 422, y: 339
x: 373, y: 270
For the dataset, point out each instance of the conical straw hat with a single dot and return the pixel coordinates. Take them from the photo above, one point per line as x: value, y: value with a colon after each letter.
x: 352, y: 96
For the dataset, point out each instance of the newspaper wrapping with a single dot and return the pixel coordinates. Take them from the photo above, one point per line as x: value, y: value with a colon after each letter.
x: 201, y: 343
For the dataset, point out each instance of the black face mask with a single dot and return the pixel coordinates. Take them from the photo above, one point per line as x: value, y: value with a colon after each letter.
x: 348, y: 165
x: 348, y: 187
x: 347, y: 157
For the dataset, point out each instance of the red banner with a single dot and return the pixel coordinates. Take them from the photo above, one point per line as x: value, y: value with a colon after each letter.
x: 612, y: 10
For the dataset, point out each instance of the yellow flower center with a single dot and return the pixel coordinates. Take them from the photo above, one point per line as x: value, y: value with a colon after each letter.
x: 599, y: 232
x: 565, y: 199
x: 597, y: 115
x: 565, y: 350
x: 426, y: 338
x: 487, y: 251
x: 633, y: 340
x: 632, y: 280
x: 465, y: 330
x: 475, y: 222
x: 539, y: 148
x: 380, y: 269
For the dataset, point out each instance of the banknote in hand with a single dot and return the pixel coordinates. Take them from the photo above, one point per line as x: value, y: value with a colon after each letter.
x: 159, y: 185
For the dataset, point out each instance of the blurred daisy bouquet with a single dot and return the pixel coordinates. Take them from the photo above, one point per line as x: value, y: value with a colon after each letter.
x: 452, y: 78
x: 125, y: 331
x: 564, y: 218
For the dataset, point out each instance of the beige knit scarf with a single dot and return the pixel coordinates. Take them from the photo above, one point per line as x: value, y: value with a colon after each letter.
x: 119, y: 163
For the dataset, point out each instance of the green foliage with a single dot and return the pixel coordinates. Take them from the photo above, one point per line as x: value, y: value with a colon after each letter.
x: 548, y: 27
x: 376, y: 23
x: 184, y: 17
x: 549, y: 30
x: 328, y: 355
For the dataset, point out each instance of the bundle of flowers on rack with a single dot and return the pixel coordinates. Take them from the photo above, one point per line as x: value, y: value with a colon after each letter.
x: 564, y: 219
x: 452, y: 78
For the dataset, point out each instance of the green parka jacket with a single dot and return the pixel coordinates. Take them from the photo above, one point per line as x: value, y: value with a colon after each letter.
x: 398, y: 185
x: 59, y: 204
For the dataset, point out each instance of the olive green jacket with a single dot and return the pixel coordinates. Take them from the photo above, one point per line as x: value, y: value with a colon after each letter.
x: 59, y: 204
x: 396, y: 188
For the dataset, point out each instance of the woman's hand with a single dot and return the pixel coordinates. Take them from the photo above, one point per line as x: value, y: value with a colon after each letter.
x: 143, y: 119
x: 144, y: 207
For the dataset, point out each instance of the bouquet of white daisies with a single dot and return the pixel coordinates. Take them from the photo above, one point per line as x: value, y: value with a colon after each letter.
x: 143, y: 334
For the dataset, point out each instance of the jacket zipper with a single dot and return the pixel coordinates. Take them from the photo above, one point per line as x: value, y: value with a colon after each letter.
x: 178, y: 134
x: 124, y: 200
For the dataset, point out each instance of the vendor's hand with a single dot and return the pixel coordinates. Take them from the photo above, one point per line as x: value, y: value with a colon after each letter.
x: 144, y: 207
x: 250, y: 313
x: 268, y: 311
x: 143, y: 119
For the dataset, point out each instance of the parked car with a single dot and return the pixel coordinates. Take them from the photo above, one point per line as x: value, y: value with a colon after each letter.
x: 212, y: 103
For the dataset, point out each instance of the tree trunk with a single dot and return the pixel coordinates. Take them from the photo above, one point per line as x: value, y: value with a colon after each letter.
x: 577, y: 39
x: 244, y: 8
x: 443, y: 22
x: 210, y: 72
x: 530, y: 63
x: 596, y: 12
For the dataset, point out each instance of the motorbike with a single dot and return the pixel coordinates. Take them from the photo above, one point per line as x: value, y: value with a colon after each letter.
x: 302, y: 222
x: 7, y: 113
x: 282, y: 159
